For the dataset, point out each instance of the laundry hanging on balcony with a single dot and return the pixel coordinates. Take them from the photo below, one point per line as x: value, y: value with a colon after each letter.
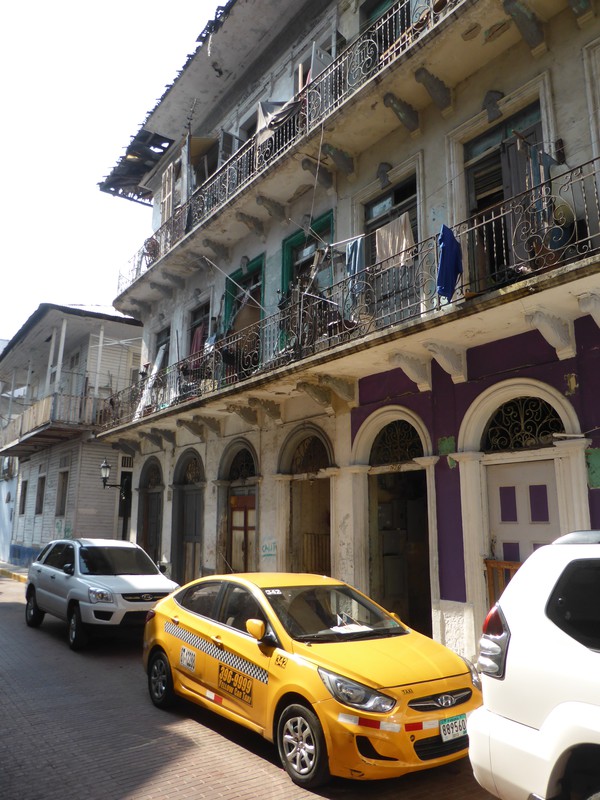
x: 395, y: 242
x: 355, y: 264
x: 271, y: 116
x: 450, y: 263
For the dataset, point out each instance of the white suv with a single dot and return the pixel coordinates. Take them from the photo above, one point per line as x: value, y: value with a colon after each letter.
x: 537, y: 735
x: 93, y: 583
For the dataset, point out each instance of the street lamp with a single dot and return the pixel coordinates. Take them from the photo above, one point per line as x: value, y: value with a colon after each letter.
x: 105, y: 473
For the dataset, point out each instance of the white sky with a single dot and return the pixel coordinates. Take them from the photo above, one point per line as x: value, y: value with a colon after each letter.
x: 78, y: 80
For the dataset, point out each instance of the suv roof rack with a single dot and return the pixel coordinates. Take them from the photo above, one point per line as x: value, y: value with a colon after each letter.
x: 579, y: 537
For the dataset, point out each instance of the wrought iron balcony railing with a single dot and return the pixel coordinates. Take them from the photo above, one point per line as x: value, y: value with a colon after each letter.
x: 554, y: 224
x: 366, y: 57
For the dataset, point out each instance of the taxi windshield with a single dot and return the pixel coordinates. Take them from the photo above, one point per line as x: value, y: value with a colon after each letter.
x: 330, y: 614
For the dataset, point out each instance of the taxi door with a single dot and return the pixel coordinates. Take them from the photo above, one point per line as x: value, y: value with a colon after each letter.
x: 237, y: 667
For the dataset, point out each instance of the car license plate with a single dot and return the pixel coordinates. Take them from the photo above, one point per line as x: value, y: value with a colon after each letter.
x: 453, y: 727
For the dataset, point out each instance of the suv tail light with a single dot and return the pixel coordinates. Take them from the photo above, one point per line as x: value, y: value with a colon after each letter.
x: 493, y: 644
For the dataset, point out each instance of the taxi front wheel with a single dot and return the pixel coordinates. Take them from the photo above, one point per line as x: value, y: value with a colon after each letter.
x: 301, y: 746
x: 160, y: 681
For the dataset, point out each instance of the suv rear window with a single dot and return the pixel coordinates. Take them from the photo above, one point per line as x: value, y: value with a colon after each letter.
x: 574, y: 605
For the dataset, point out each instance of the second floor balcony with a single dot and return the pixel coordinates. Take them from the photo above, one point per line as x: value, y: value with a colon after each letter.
x: 55, y: 418
x: 547, y: 235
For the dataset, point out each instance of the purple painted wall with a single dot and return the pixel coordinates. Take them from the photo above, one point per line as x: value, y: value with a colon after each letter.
x: 442, y: 411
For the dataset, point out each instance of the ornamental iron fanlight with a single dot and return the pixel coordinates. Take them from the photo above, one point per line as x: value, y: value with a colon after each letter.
x: 154, y: 477
x: 522, y: 423
x: 193, y: 472
x: 242, y: 466
x: 397, y: 442
x: 310, y: 457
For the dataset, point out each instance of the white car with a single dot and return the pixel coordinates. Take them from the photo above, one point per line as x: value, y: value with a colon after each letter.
x: 537, y: 735
x: 93, y: 583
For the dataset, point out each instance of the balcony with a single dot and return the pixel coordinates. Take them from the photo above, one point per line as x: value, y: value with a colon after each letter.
x: 344, y: 91
x: 540, y: 235
x: 55, y: 418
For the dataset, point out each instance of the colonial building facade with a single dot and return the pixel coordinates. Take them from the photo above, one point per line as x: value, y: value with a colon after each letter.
x: 55, y: 374
x: 370, y: 298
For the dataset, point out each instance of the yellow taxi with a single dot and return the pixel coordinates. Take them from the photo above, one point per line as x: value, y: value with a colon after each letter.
x: 342, y: 686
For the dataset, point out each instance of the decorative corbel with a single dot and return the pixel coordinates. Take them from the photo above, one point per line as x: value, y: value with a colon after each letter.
x: 342, y: 160
x: 218, y: 249
x: 417, y: 369
x: 274, y: 209
x: 589, y: 303
x: 174, y: 280
x: 168, y: 436
x: 129, y: 446
x: 270, y: 408
x: 162, y: 289
x: 249, y: 415
x: 559, y: 333
x: 436, y: 89
x: 155, y: 439
x: 253, y: 224
x: 343, y: 388
x: 213, y: 424
x: 529, y: 25
x: 407, y: 115
x: 320, y: 394
x: 194, y: 426
x: 382, y: 175
x: 323, y: 175
x: 583, y: 10
x: 452, y: 361
x: 143, y: 308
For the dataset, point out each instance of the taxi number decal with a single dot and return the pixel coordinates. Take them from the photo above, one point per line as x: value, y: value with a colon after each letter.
x: 187, y: 659
x: 235, y: 683
x: 281, y: 661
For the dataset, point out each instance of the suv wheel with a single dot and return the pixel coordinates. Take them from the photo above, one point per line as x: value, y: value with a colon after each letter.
x: 78, y: 637
x: 33, y: 615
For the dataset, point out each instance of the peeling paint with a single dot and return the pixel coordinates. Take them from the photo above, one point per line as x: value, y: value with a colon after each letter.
x: 571, y: 383
x: 446, y: 445
x: 592, y: 457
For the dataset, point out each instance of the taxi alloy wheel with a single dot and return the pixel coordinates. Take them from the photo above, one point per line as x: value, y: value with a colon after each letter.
x: 33, y: 615
x: 160, y: 681
x: 301, y: 746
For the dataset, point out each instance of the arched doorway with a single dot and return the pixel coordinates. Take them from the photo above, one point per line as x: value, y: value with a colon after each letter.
x: 523, y: 481
x: 399, y: 531
x: 310, y: 505
x: 188, y: 517
x: 241, y: 529
x: 150, y: 509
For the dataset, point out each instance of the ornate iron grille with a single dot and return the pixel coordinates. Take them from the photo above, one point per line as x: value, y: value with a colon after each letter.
x: 310, y: 457
x: 154, y: 477
x: 242, y: 466
x: 522, y: 423
x: 397, y: 442
x: 193, y: 472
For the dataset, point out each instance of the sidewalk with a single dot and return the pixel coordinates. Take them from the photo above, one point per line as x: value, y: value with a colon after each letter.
x: 11, y: 571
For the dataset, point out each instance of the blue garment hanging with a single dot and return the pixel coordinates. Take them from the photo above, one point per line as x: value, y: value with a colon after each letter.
x: 450, y: 264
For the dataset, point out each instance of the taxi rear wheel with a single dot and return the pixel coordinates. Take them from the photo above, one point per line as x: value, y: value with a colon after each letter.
x: 301, y: 746
x: 160, y: 681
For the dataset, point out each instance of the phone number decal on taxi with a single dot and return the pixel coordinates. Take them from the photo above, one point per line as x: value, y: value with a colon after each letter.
x: 235, y: 683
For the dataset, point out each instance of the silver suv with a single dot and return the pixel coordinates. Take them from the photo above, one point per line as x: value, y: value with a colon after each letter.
x: 537, y: 735
x: 93, y: 583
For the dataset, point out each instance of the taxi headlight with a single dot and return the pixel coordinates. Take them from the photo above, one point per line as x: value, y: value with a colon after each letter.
x: 354, y: 694
x: 97, y: 595
x: 475, y: 676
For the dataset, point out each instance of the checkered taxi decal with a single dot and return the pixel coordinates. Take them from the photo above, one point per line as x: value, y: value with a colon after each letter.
x: 224, y: 656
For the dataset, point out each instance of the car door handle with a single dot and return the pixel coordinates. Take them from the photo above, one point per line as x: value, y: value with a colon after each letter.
x: 175, y: 620
x: 52, y: 577
x: 217, y: 640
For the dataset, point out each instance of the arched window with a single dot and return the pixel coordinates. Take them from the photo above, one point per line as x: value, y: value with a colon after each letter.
x: 242, y: 467
x: 397, y: 442
x: 522, y: 423
x: 310, y: 457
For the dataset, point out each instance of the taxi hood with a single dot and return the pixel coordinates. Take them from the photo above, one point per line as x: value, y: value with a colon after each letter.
x: 386, y: 663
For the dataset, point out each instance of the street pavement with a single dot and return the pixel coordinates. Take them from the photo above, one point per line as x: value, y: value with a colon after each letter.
x: 80, y: 726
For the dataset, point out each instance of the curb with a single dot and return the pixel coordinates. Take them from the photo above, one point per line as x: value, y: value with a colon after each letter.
x: 16, y: 576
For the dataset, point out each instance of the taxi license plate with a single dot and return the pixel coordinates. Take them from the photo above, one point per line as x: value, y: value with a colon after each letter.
x: 453, y: 727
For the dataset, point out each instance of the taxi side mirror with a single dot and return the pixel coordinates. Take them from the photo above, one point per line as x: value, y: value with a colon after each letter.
x: 258, y: 629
